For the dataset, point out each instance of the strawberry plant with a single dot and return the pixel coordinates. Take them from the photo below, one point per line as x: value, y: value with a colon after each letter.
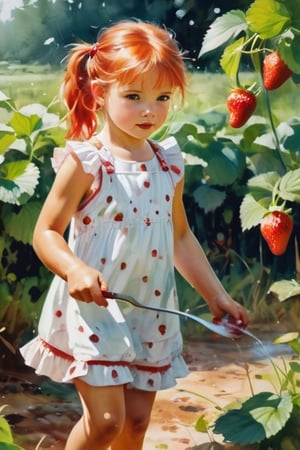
x: 266, y: 39
x: 268, y: 419
x: 25, y: 177
x: 260, y: 51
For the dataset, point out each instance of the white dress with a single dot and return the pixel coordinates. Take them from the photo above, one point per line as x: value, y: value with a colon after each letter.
x: 124, y: 229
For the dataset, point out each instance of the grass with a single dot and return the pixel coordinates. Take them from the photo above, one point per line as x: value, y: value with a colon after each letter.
x: 30, y: 84
x: 27, y: 84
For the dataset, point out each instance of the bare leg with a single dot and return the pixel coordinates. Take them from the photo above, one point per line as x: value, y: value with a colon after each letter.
x: 103, y: 417
x: 138, y: 412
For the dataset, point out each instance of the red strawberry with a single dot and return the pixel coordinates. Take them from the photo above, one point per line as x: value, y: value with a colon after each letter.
x: 241, y: 104
x: 275, y: 71
x: 276, y: 228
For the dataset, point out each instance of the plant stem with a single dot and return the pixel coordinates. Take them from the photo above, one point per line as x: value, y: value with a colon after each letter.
x: 277, y: 144
x: 249, y: 379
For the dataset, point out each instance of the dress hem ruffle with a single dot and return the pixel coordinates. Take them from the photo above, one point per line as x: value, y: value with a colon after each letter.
x: 64, y: 368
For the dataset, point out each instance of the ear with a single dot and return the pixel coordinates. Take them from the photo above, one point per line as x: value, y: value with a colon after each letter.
x: 98, y: 92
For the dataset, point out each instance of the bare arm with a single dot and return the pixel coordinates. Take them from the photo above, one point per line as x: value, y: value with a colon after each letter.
x: 191, y: 262
x: 69, y: 188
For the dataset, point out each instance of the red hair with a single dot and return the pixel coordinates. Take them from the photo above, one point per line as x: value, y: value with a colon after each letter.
x: 122, y: 53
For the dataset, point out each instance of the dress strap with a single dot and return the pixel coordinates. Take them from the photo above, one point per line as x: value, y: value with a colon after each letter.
x: 155, y: 147
x: 106, y: 163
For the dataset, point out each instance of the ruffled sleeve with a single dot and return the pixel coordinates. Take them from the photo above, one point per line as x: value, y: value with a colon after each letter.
x: 173, y: 157
x: 88, y: 154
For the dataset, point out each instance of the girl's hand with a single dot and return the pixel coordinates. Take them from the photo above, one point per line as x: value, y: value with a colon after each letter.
x: 223, y: 304
x: 86, y: 284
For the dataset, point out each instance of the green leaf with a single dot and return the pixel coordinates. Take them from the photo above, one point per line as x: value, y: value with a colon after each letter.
x: 12, y: 170
x: 268, y: 18
x: 5, y: 432
x: 212, y: 121
x: 182, y: 131
x: 24, y: 125
x: 286, y: 338
x: 285, y: 289
x: 296, y: 401
x: 7, y: 137
x: 289, y: 187
x: 230, y: 60
x: 251, y: 212
x: 295, y: 366
x: 289, y: 134
x: 12, y: 446
x: 239, y: 427
x: 5, y: 298
x: 201, y: 425
x: 47, y: 120
x: 191, y: 160
x: 272, y: 412
x: 6, y: 102
x: 223, y: 29
x: 17, y: 178
x: 6, y: 438
x: 252, y: 132
x: 261, y: 416
x: 292, y: 339
x: 225, y: 164
x: 27, y: 216
x: 293, y: 8
x: 288, y: 49
x: 208, y: 198
x: 261, y: 186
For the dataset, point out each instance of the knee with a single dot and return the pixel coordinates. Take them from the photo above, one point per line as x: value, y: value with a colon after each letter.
x: 138, y: 424
x: 104, y: 429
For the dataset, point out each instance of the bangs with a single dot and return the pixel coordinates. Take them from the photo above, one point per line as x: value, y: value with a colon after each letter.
x: 166, y: 75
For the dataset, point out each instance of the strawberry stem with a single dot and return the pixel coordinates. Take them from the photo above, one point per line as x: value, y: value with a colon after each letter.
x: 277, y: 144
x: 256, y: 48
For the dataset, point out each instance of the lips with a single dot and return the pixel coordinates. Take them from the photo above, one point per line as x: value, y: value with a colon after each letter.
x: 145, y: 126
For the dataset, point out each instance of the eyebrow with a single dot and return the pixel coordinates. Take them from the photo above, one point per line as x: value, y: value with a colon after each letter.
x: 138, y: 91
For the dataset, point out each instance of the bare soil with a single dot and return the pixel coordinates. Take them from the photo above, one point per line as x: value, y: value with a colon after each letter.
x: 218, y: 376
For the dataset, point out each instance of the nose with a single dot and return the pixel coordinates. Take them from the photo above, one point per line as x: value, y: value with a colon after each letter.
x: 147, y: 112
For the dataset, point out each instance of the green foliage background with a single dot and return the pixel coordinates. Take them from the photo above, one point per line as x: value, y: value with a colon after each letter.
x: 42, y: 30
x: 222, y: 165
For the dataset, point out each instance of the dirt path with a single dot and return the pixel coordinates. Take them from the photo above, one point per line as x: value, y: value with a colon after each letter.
x: 218, y: 375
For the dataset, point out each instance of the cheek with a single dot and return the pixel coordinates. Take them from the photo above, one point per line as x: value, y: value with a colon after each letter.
x: 120, y: 114
x: 163, y: 112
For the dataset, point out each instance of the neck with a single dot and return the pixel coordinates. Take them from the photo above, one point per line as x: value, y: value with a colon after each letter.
x: 127, y: 149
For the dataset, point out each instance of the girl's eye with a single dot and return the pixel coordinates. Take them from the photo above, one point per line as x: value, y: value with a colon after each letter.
x: 163, y: 98
x: 132, y: 96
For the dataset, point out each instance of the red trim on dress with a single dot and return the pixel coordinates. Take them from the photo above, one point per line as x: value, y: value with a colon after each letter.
x: 93, y: 195
x: 98, y: 362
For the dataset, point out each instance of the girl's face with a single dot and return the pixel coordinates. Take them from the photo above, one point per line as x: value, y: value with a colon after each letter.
x: 140, y: 108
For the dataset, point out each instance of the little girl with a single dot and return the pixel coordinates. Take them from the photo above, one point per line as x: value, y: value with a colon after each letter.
x: 121, y: 193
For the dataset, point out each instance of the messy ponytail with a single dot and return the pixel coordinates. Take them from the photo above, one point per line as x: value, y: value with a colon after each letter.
x: 78, y: 96
x: 122, y: 53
